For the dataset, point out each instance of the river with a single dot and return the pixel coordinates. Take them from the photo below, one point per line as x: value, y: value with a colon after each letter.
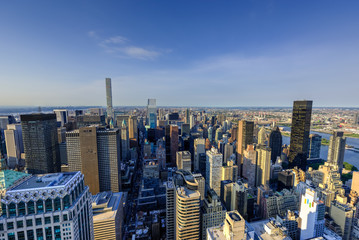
x: 349, y: 156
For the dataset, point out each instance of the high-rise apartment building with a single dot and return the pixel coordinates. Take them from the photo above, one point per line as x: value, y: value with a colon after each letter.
x: 14, y: 144
x: 108, y: 215
x: 184, y: 160
x: 337, y: 149
x: 233, y: 228
x: 199, y: 148
x: 311, y: 215
x: 263, y: 165
x: 213, y: 212
x: 39, y: 132
x: 275, y: 143
x: 51, y: 206
x: 213, y: 168
x: 188, y: 214
x: 110, y: 112
x: 315, y: 142
x: 96, y: 153
x: 245, y: 138
x: 299, y: 137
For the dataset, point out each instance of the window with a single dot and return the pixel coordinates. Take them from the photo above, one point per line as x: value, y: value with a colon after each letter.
x: 56, y: 219
x: 29, y: 223
x: 20, y: 224
x: 10, y: 225
x: 30, y: 207
x: 21, y: 208
x: 66, y: 201
x: 21, y: 235
x: 39, y: 234
x: 57, y: 231
x: 48, y: 233
x: 38, y: 222
x: 48, y: 205
x: 47, y: 220
x: 30, y: 234
x: 12, y: 209
x: 11, y: 236
x: 65, y: 217
x: 1, y: 227
x: 57, y: 203
x: 40, y: 206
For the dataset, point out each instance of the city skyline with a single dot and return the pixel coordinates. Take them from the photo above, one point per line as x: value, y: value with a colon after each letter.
x: 170, y: 50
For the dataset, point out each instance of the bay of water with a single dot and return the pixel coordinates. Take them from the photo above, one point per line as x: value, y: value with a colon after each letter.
x: 349, y: 156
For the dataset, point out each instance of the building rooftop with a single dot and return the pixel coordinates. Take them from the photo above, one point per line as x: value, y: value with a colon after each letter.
x: 9, y: 177
x: 187, y: 193
x: 45, y: 181
x: 105, y: 205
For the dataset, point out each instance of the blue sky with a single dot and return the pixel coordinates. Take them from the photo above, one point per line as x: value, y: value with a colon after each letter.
x: 190, y: 53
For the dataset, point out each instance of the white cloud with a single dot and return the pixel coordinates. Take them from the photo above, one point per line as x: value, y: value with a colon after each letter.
x: 140, y: 53
x: 121, y: 47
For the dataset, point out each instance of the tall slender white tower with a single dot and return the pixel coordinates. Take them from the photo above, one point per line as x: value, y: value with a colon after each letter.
x: 109, y: 98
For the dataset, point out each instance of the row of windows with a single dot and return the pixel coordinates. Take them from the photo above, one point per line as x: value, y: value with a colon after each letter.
x: 39, y: 234
x: 31, y: 223
x: 41, y: 206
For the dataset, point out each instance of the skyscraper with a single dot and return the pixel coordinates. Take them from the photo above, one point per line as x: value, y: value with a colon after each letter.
x: 275, y: 143
x: 174, y: 143
x: 315, y: 142
x: 213, y: 212
x: 299, y: 137
x: 233, y: 228
x: 343, y: 215
x: 14, y: 144
x: 125, y: 141
x: 311, y: 214
x: 263, y: 165
x: 170, y: 210
x: 96, y: 153
x: 199, y: 148
x: 183, y: 160
x: 61, y: 116
x: 356, y: 118
x: 39, y: 132
x: 188, y: 214
x: 132, y: 127
x: 52, y: 206
x: 152, y: 113
x: 245, y: 137
x: 108, y: 215
x: 109, y: 99
x: 187, y: 116
x: 262, y: 138
x: 337, y: 149
x: 213, y: 169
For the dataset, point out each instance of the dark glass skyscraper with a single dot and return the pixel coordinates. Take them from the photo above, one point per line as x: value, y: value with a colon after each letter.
x: 39, y: 132
x: 299, y: 137
x: 315, y: 142
x: 275, y: 143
